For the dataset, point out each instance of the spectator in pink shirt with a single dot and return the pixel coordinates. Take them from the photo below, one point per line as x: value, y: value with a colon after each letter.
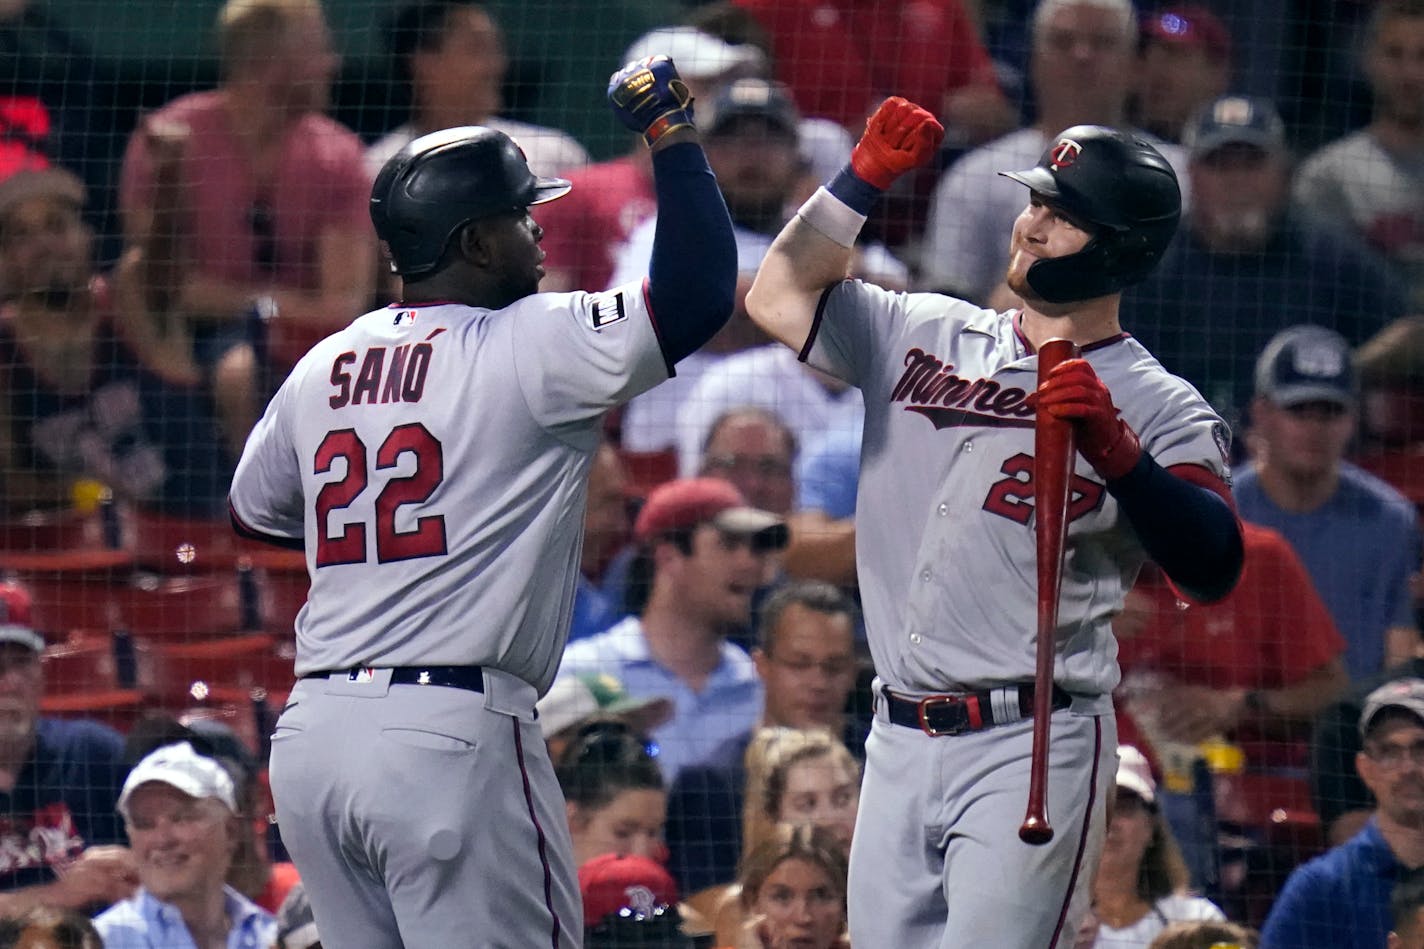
x: 270, y: 198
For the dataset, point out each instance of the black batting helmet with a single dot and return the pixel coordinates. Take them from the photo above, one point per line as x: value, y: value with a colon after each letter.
x: 442, y: 181
x: 1118, y: 183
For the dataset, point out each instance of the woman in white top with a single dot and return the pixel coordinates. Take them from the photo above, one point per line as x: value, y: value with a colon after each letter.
x: 1141, y: 885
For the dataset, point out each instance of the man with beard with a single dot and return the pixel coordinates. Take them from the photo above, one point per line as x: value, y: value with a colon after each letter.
x: 1246, y: 265
x: 752, y: 144
x: 1372, y: 181
x: 952, y: 400
x: 1342, y: 898
x: 59, y: 781
x: 93, y: 388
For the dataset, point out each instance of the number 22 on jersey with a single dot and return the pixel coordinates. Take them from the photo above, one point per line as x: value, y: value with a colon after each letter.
x: 426, y: 539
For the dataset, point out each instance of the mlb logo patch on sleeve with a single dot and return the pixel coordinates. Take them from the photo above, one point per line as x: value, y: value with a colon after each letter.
x: 607, y: 309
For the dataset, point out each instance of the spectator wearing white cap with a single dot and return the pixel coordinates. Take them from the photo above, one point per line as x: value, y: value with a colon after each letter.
x: 59, y: 780
x: 180, y: 810
x: 1141, y: 884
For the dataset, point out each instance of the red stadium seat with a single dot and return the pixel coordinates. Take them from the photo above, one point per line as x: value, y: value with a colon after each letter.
x: 84, y: 661
x: 47, y: 531
x: 117, y: 708
x: 170, y: 544
x: 73, y: 590
x: 226, y: 669
x: 282, y: 585
x: 181, y: 607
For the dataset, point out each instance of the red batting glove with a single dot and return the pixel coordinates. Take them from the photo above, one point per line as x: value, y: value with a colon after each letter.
x: 898, y: 137
x: 1073, y: 391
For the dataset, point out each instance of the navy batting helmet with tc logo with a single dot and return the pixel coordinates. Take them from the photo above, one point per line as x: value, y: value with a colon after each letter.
x: 1119, y: 185
x: 442, y: 181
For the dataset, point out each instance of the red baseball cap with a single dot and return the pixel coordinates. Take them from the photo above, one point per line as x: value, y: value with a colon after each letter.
x: 1189, y: 25
x: 614, y: 882
x: 684, y: 503
x: 15, y: 623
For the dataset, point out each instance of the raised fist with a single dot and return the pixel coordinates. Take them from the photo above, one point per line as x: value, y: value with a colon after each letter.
x: 1073, y: 391
x: 650, y: 98
x: 898, y: 137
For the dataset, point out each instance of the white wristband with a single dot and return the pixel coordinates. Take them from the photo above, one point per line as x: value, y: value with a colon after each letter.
x: 832, y: 217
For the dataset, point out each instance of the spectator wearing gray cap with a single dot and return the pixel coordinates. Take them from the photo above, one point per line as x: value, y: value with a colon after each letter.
x: 1245, y: 264
x: 1357, y: 536
x: 180, y: 810
x: 1342, y: 898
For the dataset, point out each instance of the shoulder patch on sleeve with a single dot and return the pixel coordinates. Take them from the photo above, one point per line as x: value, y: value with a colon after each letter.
x: 606, y: 309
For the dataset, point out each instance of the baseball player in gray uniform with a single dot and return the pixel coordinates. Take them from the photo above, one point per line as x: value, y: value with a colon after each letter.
x: 945, y: 535
x: 431, y: 459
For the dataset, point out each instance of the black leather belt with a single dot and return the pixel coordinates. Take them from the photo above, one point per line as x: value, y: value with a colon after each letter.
x: 469, y: 678
x: 962, y: 712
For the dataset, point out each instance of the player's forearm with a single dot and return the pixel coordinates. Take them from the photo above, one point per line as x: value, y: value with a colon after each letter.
x: 1188, y: 530
x: 799, y: 266
x: 692, y: 275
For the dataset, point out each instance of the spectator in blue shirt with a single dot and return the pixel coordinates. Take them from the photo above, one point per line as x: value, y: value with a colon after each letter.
x: 180, y: 810
x: 1406, y: 905
x: 59, y: 838
x: 703, y: 551
x: 1343, y: 897
x: 1357, y: 536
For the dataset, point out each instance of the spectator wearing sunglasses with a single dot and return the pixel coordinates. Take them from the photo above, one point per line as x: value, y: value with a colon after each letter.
x: 702, y: 553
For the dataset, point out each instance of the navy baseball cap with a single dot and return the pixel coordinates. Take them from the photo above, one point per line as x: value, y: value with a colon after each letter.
x: 1236, y: 120
x: 753, y: 98
x: 1306, y: 364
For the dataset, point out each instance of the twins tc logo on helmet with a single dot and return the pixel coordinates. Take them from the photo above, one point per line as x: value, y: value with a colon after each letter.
x: 1065, y: 153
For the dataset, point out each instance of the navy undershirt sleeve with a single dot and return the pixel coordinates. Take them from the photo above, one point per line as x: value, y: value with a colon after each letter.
x: 692, y: 278
x: 1188, y: 530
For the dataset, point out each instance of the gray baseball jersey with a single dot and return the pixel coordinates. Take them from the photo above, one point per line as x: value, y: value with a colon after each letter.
x: 945, y: 551
x: 433, y: 459
x: 944, y: 510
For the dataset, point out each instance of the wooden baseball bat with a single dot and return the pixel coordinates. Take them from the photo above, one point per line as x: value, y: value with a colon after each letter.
x: 1052, y: 470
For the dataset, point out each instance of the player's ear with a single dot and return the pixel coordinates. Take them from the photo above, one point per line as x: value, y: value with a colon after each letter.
x: 476, y: 245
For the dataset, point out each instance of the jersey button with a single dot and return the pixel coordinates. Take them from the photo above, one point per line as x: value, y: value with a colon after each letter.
x: 969, y: 445
x: 925, y: 575
x: 943, y: 510
x: 915, y: 638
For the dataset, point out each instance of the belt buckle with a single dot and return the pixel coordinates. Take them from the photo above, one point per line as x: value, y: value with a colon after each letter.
x: 925, y: 704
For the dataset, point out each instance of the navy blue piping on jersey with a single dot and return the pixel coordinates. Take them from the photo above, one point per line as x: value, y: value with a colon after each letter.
x: 251, y: 533
x: 1188, y: 530
x: 1083, y: 830
x: 692, y: 276
x: 543, y: 843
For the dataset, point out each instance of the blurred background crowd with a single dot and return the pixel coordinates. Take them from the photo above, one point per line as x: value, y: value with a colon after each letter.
x: 183, y: 211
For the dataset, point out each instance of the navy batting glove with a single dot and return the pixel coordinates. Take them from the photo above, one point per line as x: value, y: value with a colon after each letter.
x: 649, y: 98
